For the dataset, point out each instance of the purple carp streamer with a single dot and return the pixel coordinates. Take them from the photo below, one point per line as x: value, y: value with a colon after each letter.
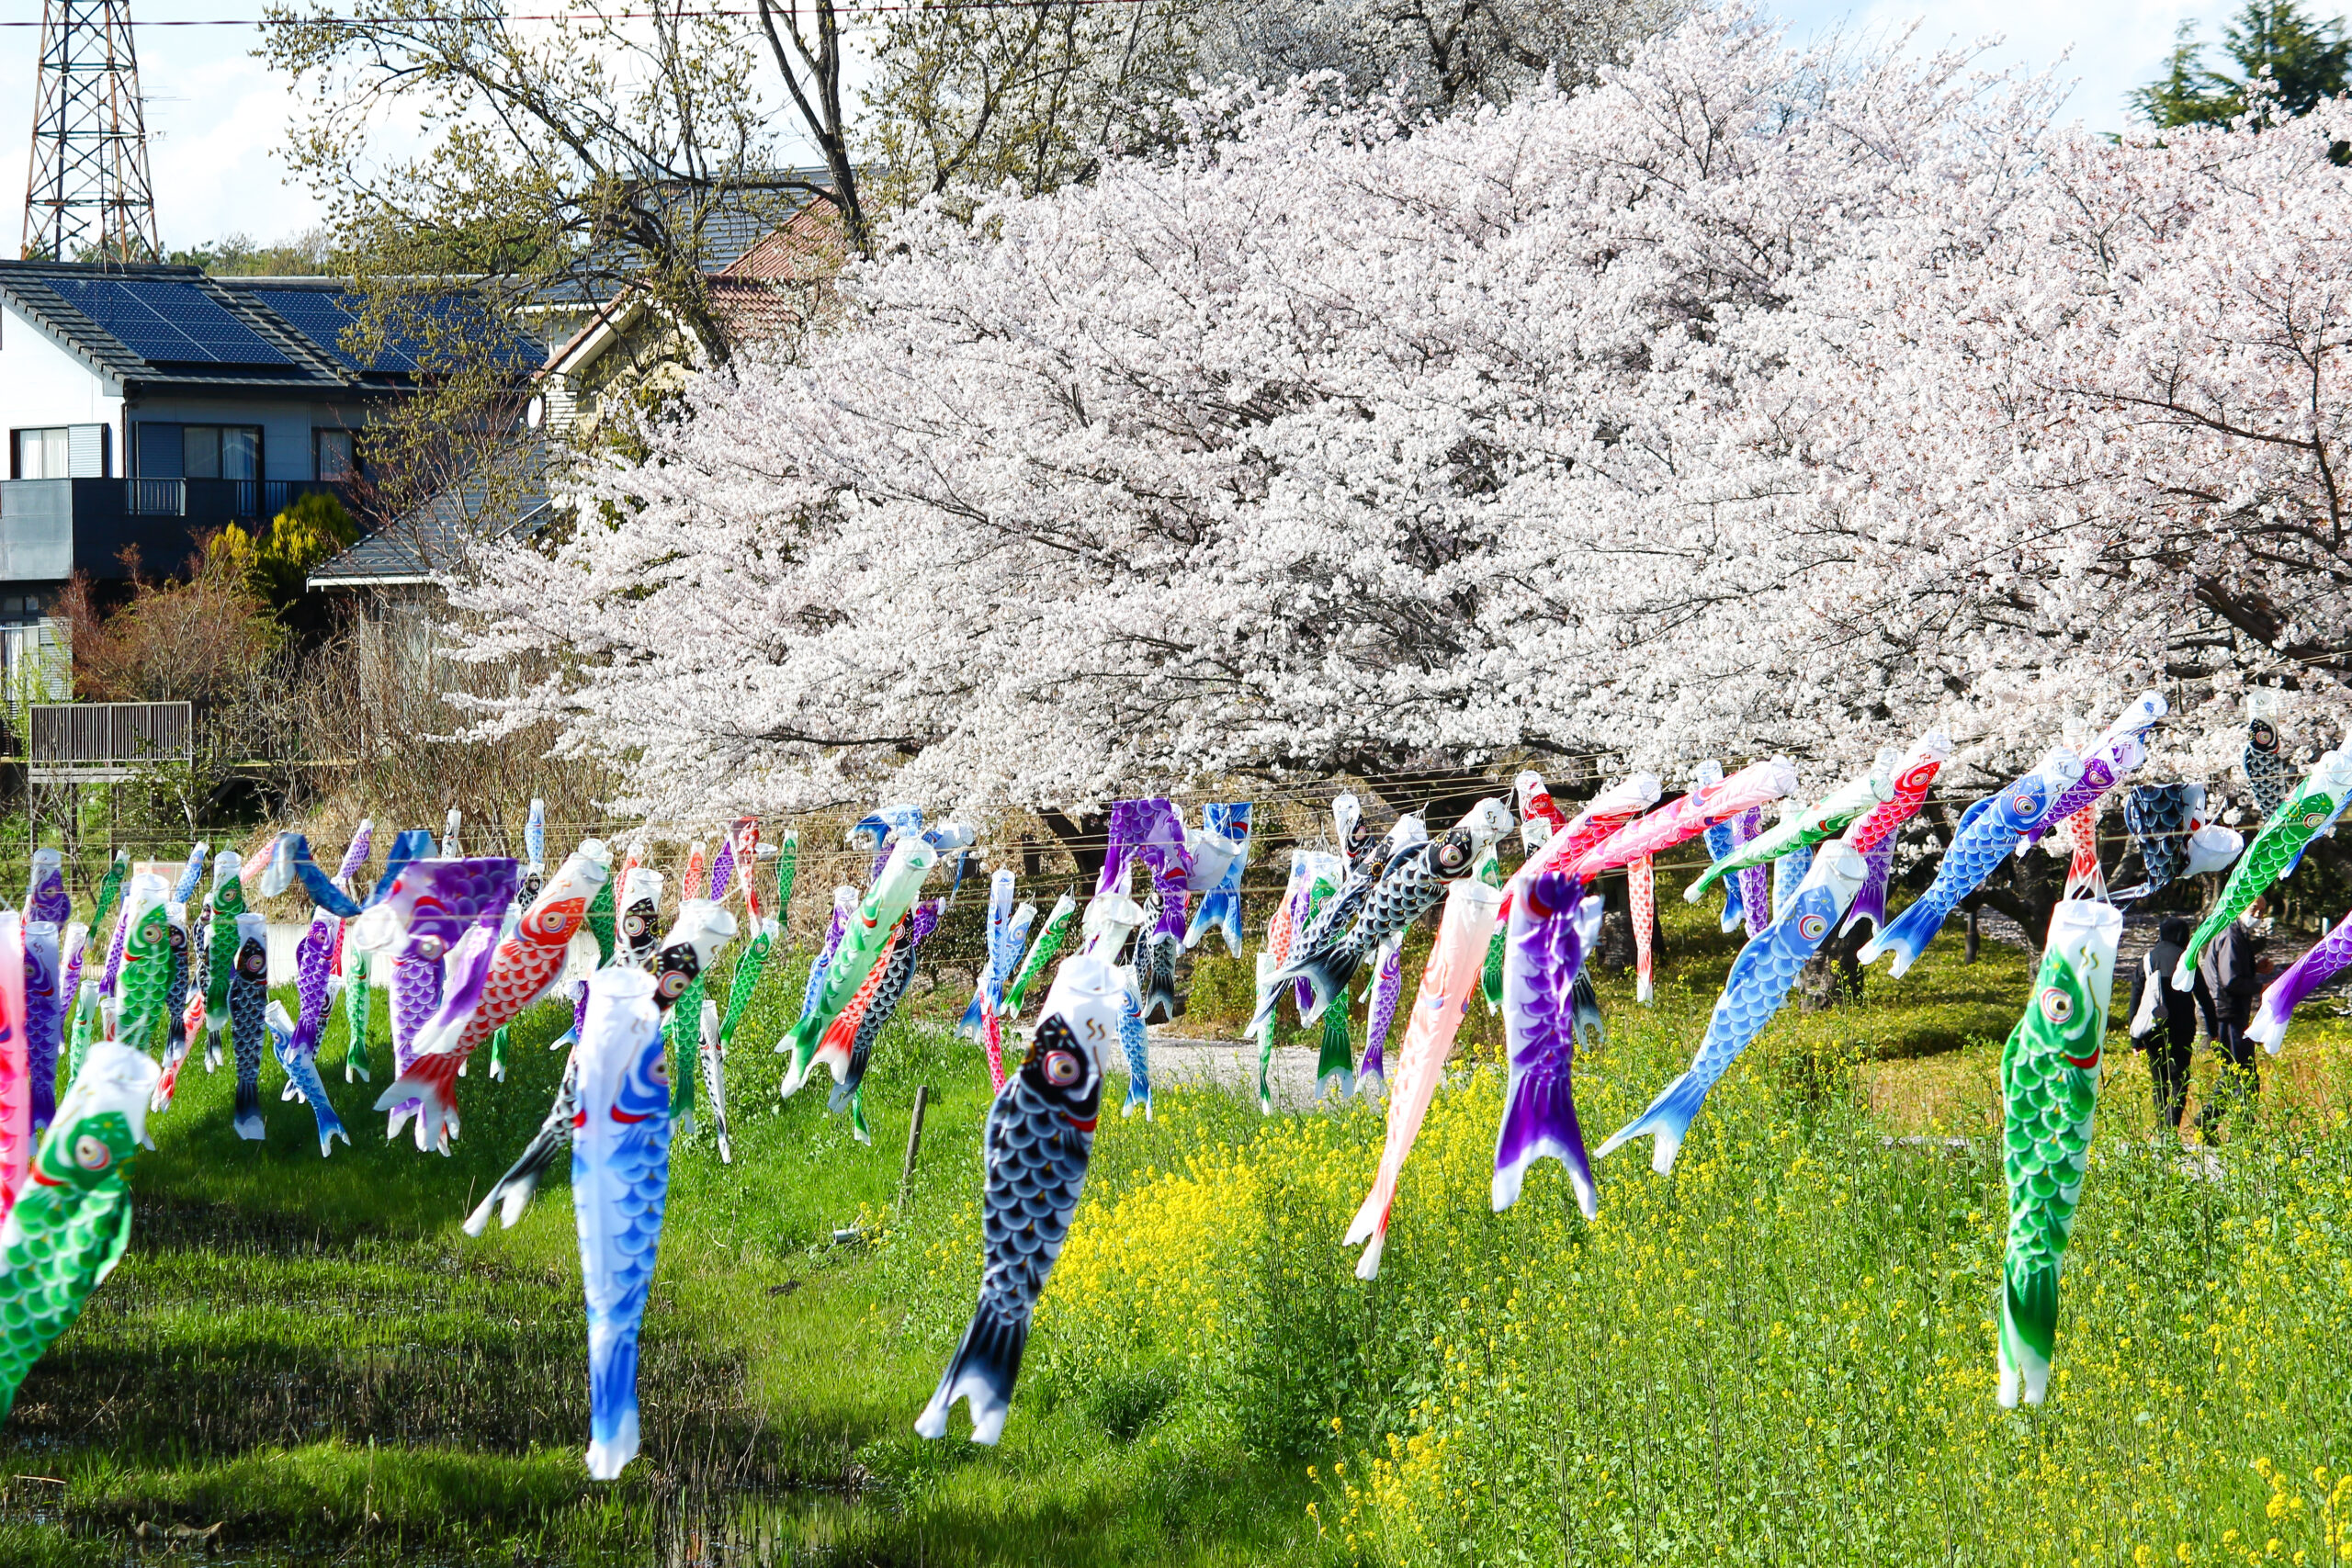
x: 2327, y: 959
x: 1552, y: 927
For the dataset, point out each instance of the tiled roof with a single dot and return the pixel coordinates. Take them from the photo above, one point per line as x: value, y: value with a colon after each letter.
x: 736, y: 222
x: 808, y: 249
x: 436, y: 536
x: 754, y: 298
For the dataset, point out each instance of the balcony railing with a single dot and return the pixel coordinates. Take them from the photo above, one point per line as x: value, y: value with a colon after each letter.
x: 226, y: 499
x: 50, y: 528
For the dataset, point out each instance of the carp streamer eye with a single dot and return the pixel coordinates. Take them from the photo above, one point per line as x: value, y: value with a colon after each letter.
x: 2056, y: 1005
x: 1452, y: 854
x: 633, y: 925
x: 178, y: 938
x: 91, y: 1152
x: 252, y: 965
x: 430, y: 946
x: 2262, y: 736
x: 673, y: 984
x: 1811, y: 927
x: 659, y: 1069
x: 1062, y: 1070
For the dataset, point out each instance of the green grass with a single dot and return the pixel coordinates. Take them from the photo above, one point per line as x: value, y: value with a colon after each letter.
x: 310, y: 1354
x: 1780, y: 1354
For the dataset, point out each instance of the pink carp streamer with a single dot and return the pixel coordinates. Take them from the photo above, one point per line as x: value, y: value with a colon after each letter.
x: 1913, y: 778
x: 2079, y: 835
x: 1456, y: 966
x: 1641, y: 898
x: 1873, y: 831
x: 994, y: 1026
x: 1681, y: 819
x: 1605, y: 815
x: 15, y: 1074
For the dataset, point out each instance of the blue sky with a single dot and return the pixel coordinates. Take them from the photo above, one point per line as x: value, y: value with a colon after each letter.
x: 216, y: 115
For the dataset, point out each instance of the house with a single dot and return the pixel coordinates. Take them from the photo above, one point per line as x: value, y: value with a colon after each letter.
x: 386, y: 580
x: 503, y: 496
x: 143, y: 406
x: 628, y: 347
x: 773, y: 285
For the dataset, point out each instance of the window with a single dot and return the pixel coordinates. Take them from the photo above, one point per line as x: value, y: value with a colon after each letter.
x: 220, y: 452
x: 335, y: 458
x: 42, y: 454
x: 62, y: 452
x: 157, y: 449
x: 199, y: 451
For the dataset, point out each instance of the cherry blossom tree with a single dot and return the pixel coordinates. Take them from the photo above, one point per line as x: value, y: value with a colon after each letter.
x: 1748, y: 398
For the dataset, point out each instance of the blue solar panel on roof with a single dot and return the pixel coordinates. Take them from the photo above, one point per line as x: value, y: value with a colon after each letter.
x: 316, y: 313
x: 167, y: 322
x: 322, y: 316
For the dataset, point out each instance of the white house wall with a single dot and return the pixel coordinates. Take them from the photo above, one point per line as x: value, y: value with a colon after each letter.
x: 43, y: 385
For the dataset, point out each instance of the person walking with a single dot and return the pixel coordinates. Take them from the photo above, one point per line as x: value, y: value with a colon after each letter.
x: 2232, y: 970
x: 2163, y: 1024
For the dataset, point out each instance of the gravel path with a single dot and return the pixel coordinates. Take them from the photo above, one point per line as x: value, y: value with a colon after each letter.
x: 1232, y: 1065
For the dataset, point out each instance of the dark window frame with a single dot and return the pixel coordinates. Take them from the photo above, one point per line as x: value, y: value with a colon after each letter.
x: 138, y: 446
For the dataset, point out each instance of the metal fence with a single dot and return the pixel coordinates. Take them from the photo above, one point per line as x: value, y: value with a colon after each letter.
x: 255, y: 498
x: 102, y: 743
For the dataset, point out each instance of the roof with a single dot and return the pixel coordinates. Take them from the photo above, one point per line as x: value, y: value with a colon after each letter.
x: 174, y: 328
x: 752, y: 297
x: 736, y: 220
x: 324, y: 308
x: 809, y: 248
x: 169, y: 327
x: 436, y: 536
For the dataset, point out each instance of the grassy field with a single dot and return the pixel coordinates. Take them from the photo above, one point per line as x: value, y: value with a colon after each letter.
x: 1783, y: 1353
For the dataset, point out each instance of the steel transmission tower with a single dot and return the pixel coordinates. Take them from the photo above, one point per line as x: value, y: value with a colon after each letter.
x: 89, y: 198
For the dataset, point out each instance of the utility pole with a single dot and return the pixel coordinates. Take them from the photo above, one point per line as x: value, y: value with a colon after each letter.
x: 89, y: 198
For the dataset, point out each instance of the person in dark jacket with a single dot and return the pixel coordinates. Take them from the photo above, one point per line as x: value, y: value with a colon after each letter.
x: 2232, y: 970
x: 2162, y: 1023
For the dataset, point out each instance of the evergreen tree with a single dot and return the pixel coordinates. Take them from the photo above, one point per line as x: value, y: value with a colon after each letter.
x: 2304, y: 61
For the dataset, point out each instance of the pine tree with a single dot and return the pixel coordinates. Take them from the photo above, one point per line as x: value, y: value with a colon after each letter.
x: 2286, y: 62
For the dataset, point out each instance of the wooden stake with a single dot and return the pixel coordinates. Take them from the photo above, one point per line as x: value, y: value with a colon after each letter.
x: 914, y: 1143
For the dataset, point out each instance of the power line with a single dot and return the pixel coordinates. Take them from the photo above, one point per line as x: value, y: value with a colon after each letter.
x: 854, y: 11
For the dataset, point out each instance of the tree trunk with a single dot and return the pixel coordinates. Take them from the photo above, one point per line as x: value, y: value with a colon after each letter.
x: 1833, y: 975
x: 1087, y: 838
x: 1616, y: 955
x: 1975, y: 937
